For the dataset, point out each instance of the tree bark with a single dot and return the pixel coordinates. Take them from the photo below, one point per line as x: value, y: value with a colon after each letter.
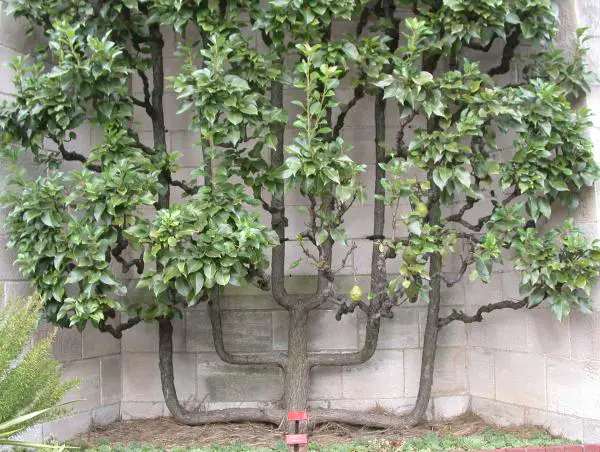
x: 278, y: 220
x: 297, y: 369
x: 431, y: 326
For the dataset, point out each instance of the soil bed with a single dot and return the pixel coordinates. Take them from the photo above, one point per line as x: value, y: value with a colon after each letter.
x: 164, y: 432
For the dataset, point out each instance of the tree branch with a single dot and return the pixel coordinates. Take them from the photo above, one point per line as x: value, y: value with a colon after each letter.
x: 188, y: 189
x: 359, y: 93
x: 214, y: 307
x: 70, y: 156
x: 117, y: 332
x: 507, y: 54
x: 458, y: 217
x: 478, y: 316
x: 348, y: 359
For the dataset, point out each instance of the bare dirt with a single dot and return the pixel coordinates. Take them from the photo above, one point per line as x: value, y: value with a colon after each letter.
x: 169, y: 434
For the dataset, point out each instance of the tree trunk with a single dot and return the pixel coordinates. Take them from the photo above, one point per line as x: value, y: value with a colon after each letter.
x: 429, y: 345
x: 179, y: 413
x: 431, y: 327
x: 297, y: 371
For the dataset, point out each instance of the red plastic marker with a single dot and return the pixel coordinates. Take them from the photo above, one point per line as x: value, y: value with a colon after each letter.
x: 297, y: 416
x: 296, y: 439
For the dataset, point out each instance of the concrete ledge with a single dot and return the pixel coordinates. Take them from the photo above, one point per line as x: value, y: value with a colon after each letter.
x: 570, y: 448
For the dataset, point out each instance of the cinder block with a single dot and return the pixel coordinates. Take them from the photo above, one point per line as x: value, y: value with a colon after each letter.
x: 498, y: 413
x: 510, y: 285
x: 209, y: 406
x: 198, y: 331
x: 398, y: 333
x: 144, y: 337
x: 520, y: 379
x: 478, y: 293
x: 400, y: 405
x: 142, y: 410
x: 16, y: 290
x: 173, y: 121
x: 454, y: 295
x: 546, y: 335
x: 110, y: 372
x: 558, y: 424
x: 8, y: 269
x: 591, y: 432
x: 449, y: 407
x: 241, y: 302
x: 188, y: 143
x: 141, y: 378
x: 380, y: 377
x: 574, y: 387
x: 247, y: 331
x: 87, y: 396
x: 33, y: 434
x: 13, y: 33
x: 106, y: 415
x: 325, y: 333
x: 452, y: 335
x: 362, y: 140
x: 67, y: 345
x: 449, y: 372
x: 501, y: 330
x: 480, y: 365
x: 589, y: 16
x: 7, y: 74
x: 67, y: 428
x: 326, y: 383
x: 97, y: 344
x: 221, y: 382
x: 585, y: 336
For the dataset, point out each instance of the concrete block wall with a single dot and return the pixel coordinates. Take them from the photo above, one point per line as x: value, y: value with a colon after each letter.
x: 92, y: 357
x: 528, y: 368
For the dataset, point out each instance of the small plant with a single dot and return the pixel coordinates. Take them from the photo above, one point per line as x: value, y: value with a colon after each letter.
x: 30, y: 382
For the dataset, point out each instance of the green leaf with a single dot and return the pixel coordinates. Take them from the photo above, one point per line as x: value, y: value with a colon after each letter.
x: 321, y: 236
x: 558, y: 185
x: 482, y: 270
x: 331, y: 174
x: 441, y: 176
x: 414, y: 226
x: 351, y: 51
x: 209, y: 270
x: 182, y: 287
x: 423, y: 78
x: 463, y: 176
x: 198, y: 283
x: 536, y: 297
x: 108, y: 280
x: 544, y: 207
x: 76, y: 275
x: 222, y: 278
x: 130, y: 3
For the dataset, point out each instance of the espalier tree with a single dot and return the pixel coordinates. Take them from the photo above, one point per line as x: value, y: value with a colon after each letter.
x: 79, y: 229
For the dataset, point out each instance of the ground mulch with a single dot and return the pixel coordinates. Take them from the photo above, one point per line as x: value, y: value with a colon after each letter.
x: 166, y: 432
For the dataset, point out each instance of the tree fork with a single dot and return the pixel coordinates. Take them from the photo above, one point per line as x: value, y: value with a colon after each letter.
x: 180, y: 413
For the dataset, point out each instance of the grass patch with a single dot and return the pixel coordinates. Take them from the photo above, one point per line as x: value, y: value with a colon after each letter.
x: 490, y: 439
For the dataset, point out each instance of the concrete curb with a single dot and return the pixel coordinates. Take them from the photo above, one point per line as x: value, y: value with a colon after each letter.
x: 569, y: 448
